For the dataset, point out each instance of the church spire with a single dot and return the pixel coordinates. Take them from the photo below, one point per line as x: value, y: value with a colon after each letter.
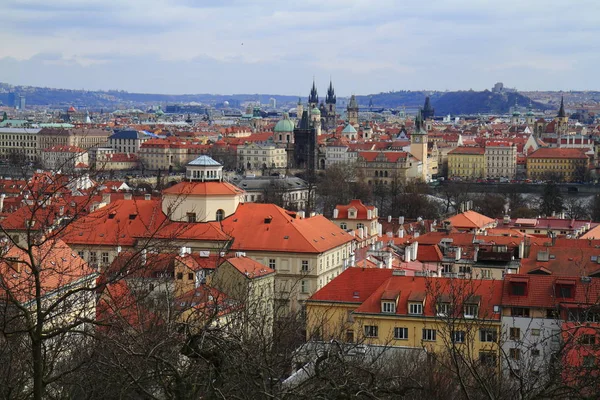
x: 313, y: 98
x: 331, y: 98
x: 561, y: 111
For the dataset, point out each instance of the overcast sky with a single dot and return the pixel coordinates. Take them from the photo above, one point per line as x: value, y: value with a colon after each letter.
x: 277, y: 46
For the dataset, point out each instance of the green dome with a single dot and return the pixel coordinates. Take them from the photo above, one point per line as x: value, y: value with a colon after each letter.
x: 349, y: 129
x: 284, y: 125
x: 516, y: 114
x: 315, y: 111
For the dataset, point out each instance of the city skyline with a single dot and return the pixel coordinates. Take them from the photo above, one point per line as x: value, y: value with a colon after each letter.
x: 278, y: 47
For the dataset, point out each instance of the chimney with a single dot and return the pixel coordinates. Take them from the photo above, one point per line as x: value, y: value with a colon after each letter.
x: 361, y: 233
x: 415, y: 249
x: 127, y: 196
x: 182, y: 251
x: 407, y: 255
x: 2, y: 197
x: 336, y: 212
x: 458, y: 254
x: 401, y: 233
x: 389, y: 218
x: 147, y: 196
x: 106, y: 198
x: 369, y: 214
x: 522, y: 249
x: 401, y: 220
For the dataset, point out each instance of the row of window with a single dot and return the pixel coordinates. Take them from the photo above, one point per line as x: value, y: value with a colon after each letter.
x: 486, y: 335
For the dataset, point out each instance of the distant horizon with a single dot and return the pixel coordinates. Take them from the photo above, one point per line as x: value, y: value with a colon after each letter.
x: 321, y: 94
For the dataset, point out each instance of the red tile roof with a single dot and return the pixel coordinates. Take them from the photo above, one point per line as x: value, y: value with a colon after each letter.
x: 249, y: 267
x: 541, y: 291
x: 361, y: 210
x: 204, y: 189
x: 552, y: 152
x: 468, y: 150
x: 354, y: 285
x: 470, y: 220
x: 268, y: 227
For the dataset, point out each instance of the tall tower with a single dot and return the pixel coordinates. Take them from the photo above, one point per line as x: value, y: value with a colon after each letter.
x: 530, y: 118
x: 299, y: 109
x: 418, y: 146
x: 353, y: 111
x: 313, y: 98
x: 330, y: 101
x: 428, y: 111
x: 562, y: 119
x: 516, y: 116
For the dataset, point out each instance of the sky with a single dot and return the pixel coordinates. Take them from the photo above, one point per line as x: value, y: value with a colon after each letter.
x: 279, y: 46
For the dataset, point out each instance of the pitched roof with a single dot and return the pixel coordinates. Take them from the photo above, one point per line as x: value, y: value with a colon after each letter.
x: 470, y: 220
x: 554, y: 152
x: 209, y: 188
x: 268, y: 227
x: 541, y: 291
x: 361, y: 210
x: 354, y: 285
x: 250, y: 268
x: 468, y: 150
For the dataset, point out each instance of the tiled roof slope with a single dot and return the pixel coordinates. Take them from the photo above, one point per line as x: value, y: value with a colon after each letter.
x: 268, y: 227
x: 354, y: 285
x: 541, y: 291
x: 470, y: 219
x: 361, y: 209
x: 204, y: 189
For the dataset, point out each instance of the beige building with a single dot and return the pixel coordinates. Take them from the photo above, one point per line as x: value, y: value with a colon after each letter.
x: 64, y: 158
x: 306, y: 253
x: 467, y: 163
x: 21, y: 142
x: 162, y: 154
x: 253, y: 156
x: 80, y: 137
x: 501, y: 159
x: 203, y: 196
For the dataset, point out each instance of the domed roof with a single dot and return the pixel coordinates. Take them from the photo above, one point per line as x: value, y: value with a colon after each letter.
x: 315, y: 111
x: 516, y: 113
x: 284, y: 125
x: 349, y: 129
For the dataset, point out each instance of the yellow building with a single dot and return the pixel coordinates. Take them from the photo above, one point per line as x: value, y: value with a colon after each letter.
x: 381, y: 307
x: 559, y: 164
x: 254, y: 156
x: 467, y: 163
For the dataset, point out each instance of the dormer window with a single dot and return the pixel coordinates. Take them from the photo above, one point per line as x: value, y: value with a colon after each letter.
x: 352, y: 213
x: 564, y: 288
x: 389, y: 299
x: 415, y: 308
x: 443, y: 309
x: 518, y: 287
x: 388, y: 307
x: 471, y: 310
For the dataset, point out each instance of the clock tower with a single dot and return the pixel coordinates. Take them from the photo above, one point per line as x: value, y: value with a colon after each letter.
x: 418, y: 146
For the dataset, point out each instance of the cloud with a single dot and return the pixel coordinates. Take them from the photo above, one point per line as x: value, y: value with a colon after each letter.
x: 366, y: 46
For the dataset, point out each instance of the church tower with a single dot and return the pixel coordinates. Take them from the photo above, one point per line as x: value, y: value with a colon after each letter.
x: 299, y: 109
x: 428, y: 111
x: 331, y: 114
x: 561, y: 119
x: 418, y: 146
x: 313, y: 98
x: 530, y: 118
x: 352, y: 111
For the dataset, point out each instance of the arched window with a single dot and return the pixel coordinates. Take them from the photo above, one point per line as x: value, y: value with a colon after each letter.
x: 220, y: 215
x: 385, y: 174
x: 376, y: 174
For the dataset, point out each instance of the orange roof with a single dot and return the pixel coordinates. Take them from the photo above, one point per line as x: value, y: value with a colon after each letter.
x: 250, y: 268
x: 204, y: 189
x: 268, y: 227
x: 60, y: 266
x: 468, y: 150
x: 553, y: 152
x: 361, y: 210
x: 390, y: 156
x: 470, y: 220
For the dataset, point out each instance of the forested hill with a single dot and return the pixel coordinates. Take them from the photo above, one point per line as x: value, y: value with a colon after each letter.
x: 460, y: 102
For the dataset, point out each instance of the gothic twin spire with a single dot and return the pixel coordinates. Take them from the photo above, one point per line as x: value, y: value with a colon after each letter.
x: 313, y: 98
